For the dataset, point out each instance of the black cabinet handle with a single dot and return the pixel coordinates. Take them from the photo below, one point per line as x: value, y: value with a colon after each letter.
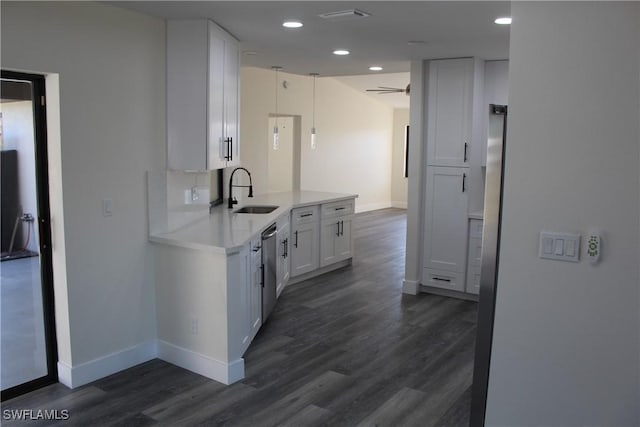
x: 464, y: 179
x: 340, y: 209
x: 227, y: 155
x: 284, y: 248
x: 338, y: 232
x: 262, y: 275
x: 465, y: 151
x: 295, y: 244
x: 441, y: 280
x: 342, y: 228
x: 306, y: 215
x: 231, y: 149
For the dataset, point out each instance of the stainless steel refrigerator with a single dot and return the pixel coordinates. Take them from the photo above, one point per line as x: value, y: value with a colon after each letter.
x: 494, y: 178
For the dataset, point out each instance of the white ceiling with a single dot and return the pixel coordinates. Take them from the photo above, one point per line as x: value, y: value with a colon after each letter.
x: 448, y: 29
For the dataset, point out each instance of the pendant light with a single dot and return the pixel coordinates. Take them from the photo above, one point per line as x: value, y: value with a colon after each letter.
x: 276, y: 134
x: 314, y: 142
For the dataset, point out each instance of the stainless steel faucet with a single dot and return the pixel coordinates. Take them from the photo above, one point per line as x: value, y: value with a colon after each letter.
x: 232, y: 200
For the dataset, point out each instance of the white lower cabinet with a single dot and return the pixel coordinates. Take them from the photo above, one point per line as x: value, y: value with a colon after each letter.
x: 475, y: 256
x: 336, y: 237
x: 446, y: 222
x: 283, y: 265
x: 305, y: 245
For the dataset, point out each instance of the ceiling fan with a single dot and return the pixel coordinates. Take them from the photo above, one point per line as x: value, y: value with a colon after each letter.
x: 384, y: 89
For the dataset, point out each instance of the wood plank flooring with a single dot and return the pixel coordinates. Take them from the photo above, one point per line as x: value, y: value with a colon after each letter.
x: 344, y: 349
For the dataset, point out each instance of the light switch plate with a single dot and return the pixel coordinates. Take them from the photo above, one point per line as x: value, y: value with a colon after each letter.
x: 559, y: 246
x: 107, y: 207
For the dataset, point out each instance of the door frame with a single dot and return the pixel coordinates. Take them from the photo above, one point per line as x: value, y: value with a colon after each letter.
x: 44, y: 231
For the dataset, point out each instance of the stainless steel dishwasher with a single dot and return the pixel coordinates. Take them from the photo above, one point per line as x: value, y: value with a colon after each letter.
x: 269, y: 255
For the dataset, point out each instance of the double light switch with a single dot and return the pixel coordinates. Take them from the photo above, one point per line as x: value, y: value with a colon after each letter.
x: 559, y: 246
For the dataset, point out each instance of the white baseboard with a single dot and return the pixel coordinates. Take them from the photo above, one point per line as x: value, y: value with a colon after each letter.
x: 226, y: 373
x: 372, y: 207
x: 411, y: 287
x: 84, y: 373
x: 399, y: 205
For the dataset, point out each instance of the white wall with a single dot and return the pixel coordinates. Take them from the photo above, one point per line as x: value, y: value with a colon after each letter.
x: 399, y: 183
x: 566, y: 346
x: 18, y: 135
x: 354, y: 135
x: 280, y: 161
x: 110, y: 66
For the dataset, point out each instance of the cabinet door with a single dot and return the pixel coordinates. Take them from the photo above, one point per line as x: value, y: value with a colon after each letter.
x: 187, y: 103
x: 329, y: 232
x: 216, y: 144
x: 283, y: 266
x: 344, y: 242
x: 231, y: 101
x: 336, y: 240
x: 255, y: 294
x: 450, y: 106
x: 304, y: 248
x: 445, y: 239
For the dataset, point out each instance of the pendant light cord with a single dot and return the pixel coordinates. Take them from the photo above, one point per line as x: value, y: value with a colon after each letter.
x: 314, y: 102
x: 277, y: 97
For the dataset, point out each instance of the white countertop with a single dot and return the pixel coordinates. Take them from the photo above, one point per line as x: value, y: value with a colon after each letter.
x: 226, y: 232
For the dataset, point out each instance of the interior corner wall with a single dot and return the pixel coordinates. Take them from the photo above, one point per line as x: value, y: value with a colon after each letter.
x: 415, y: 185
x: 110, y: 66
x: 354, y: 135
x: 399, y: 183
x: 566, y: 344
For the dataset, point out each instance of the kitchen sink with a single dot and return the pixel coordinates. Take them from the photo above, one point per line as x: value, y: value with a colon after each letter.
x: 256, y: 209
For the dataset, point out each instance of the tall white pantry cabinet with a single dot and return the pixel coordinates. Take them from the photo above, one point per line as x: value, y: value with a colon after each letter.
x: 452, y: 115
x: 203, y: 92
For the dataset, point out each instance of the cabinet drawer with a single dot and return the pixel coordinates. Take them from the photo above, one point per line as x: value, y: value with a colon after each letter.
x: 443, y: 279
x: 475, y: 228
x: 305, y: 215
x: 341, y: 208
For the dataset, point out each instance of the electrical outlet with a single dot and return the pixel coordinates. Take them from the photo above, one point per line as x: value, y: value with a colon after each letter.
x: 196, y: 195
x: 194, y: 325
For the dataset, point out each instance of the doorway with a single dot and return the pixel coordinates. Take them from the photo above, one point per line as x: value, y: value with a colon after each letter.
x: 29, y: 353
x: 283, y: 164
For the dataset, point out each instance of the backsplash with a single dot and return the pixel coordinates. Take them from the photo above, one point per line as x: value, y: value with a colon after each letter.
x: 177, y: 198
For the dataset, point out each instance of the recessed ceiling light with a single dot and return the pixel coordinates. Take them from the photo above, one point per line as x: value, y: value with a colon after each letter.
x: 375, y: 68
x: 292, y: 24
x: 416, y: 42
x: 341, y: 52
x: 505, y: 20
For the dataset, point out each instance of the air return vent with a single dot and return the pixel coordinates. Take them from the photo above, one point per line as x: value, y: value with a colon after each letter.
x: 343, y: 15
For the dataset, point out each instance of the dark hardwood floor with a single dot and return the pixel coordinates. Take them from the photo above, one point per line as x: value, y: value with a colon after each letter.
x: 344, y: 349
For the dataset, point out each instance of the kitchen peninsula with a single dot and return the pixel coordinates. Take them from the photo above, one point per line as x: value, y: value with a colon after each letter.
x: 209, y: 271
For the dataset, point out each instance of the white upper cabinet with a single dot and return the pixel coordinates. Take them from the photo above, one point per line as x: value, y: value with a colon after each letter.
x: 202, y: 96
x: 449, y: 112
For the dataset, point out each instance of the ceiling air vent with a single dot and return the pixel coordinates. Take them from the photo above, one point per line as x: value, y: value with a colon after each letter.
x: 343, y: 15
